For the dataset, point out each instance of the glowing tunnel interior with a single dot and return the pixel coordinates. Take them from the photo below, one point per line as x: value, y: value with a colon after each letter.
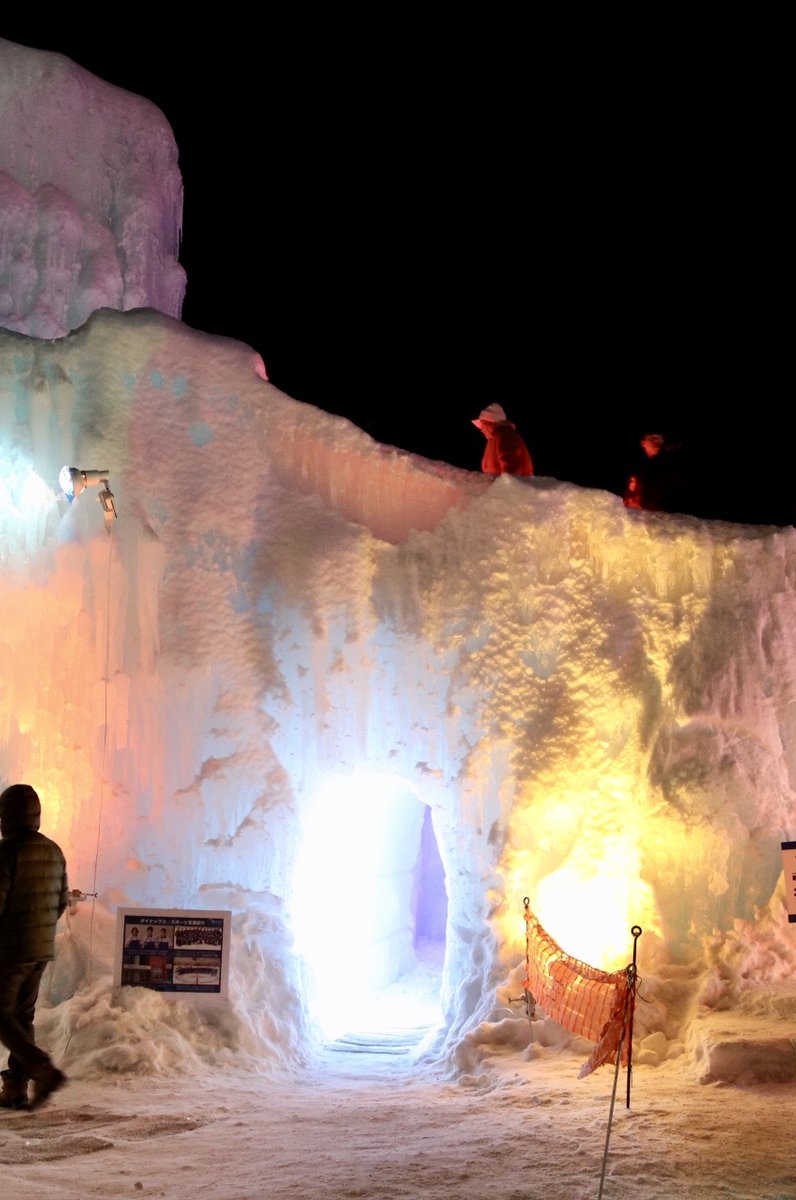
x: 369, y: 907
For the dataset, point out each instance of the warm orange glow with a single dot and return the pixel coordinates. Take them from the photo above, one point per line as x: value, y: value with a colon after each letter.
x: 584, y: 861
x: 52, y: 665
x: 590, y: 904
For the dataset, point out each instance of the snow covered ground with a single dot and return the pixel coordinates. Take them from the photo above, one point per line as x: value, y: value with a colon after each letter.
x: 170, y: 1099
x: 379, y: 1126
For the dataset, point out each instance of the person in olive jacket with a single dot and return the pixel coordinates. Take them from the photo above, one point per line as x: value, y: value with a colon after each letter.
x: 33, y: 894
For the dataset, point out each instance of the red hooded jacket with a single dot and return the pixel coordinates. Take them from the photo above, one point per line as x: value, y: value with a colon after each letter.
x: 506, y: 452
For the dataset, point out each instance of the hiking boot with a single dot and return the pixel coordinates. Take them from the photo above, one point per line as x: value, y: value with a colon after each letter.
x: 14, y: 1093
x: 48, y: 1082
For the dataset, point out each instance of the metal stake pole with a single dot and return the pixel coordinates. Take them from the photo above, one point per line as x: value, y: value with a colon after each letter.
x: 631, y: 977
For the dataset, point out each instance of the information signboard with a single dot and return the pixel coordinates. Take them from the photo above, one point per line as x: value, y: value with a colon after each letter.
x: 173, y: 950
x: 789, y: 868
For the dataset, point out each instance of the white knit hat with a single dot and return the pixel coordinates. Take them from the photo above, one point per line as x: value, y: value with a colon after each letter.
x: 492, y: 412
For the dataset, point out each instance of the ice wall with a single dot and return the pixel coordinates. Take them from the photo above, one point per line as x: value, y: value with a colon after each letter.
x: 90, y: 196
x: 596, y: 705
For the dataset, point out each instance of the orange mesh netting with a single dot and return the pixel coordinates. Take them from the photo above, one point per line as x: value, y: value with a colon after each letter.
x: 597, y: 1004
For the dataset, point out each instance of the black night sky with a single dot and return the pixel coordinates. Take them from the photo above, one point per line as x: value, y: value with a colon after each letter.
x: 411, y: 218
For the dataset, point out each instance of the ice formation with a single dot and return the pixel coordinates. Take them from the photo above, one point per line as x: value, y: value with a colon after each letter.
x: 366, y: 701
x: 90, y: 195
x: 595, y: 706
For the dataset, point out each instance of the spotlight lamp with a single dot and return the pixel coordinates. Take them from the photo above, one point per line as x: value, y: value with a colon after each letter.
x: 76, y: 895
x: 74, y: 480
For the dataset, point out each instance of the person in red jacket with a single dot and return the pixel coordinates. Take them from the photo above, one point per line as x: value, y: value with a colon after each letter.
x: 505, y: 452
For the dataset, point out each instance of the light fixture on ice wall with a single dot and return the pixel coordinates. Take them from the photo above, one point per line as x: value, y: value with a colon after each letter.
x: 74, y: 480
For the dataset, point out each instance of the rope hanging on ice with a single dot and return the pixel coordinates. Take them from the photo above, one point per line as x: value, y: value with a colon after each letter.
x: 76, y: 893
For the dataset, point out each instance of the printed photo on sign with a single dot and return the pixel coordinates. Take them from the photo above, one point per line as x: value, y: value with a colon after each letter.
x: 173, y: 951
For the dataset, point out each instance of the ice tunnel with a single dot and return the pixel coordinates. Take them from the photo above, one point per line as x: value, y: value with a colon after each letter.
x: 369, y: 907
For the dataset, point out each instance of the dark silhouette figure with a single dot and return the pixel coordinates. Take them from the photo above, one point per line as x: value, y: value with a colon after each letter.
x: 657, y: 482
x: 33, y: 894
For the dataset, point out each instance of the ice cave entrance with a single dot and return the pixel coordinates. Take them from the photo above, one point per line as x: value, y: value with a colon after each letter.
x: 369, y: 911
